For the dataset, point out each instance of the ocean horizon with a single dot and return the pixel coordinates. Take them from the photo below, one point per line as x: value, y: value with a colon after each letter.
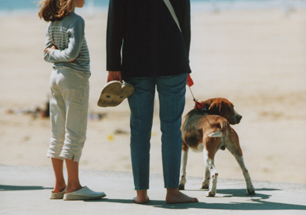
x: 16, y: 7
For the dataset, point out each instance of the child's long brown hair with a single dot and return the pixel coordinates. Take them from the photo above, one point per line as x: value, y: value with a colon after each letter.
x: 52, y: 10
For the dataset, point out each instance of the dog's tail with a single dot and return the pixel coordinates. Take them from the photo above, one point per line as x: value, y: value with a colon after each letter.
x: 222, y: 125
x: 216, y: 134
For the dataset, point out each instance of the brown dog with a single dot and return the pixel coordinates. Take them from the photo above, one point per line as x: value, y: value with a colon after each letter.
x: 209, y: 130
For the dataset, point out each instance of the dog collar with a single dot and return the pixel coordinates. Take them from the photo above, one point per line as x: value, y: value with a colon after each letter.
x: 200, y: 106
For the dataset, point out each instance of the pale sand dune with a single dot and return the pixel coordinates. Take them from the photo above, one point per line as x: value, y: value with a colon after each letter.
x: 256, y: 59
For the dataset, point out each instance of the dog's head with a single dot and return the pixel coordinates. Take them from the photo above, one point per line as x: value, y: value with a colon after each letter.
x: 224, y: 108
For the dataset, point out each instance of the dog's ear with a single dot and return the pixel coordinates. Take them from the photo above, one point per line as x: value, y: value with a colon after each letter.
x: 214, y: 108
x: 207, y: 104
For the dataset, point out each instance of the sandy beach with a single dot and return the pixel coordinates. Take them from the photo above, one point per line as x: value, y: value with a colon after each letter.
x: 254, y: 58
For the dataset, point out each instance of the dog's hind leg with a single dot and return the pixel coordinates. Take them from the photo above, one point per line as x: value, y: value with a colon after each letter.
x: 250, y: 188
x: 209, y: 162
x: 183, y: 180
x: 234, y: 147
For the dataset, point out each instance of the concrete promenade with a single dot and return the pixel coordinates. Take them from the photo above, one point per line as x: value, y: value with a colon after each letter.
x: 26, y: 190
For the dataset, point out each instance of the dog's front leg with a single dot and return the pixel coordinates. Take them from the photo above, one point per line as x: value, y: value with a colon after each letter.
x: 209, y: 162
x: 183, y: 179
x: 205, y: 183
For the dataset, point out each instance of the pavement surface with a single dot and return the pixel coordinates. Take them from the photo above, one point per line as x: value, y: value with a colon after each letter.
x: 26, y: 190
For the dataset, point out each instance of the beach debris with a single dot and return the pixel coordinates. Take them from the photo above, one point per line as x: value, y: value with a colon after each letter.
x: 96, y: 116
x: 110, y: 137
x: 121, y: 131
x: 36, y: 112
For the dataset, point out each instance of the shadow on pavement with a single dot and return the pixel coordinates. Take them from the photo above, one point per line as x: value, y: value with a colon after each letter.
x: 257, y: 202
x: 18, y: 188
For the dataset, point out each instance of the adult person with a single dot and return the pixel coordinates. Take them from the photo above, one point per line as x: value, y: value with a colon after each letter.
x: 146, y: 49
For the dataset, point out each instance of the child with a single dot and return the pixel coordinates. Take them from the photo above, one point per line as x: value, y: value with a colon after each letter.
x: 66, y: 48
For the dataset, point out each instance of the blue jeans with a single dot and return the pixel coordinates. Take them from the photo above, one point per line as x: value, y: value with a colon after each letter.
x: 171, y: 92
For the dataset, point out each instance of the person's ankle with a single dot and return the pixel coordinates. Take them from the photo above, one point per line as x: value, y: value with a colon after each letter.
x: 73, y: 188
x: 142, y: 197
x: 59, y: 188
x: 173, y: 190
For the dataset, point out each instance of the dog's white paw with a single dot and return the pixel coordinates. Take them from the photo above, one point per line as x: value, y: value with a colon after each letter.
x: 210, y: 194
x: 250, y: 191
x: 182, y: 187
x: 205, y: 185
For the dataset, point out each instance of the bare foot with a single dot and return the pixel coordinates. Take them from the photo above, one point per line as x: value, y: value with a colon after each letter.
x: 175, y: 196
x: 141, y: 197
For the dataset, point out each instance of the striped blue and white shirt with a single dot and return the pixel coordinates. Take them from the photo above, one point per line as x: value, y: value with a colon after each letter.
x: 68, y: 36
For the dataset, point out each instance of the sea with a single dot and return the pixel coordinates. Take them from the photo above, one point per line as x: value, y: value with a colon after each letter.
x: 8, y: 7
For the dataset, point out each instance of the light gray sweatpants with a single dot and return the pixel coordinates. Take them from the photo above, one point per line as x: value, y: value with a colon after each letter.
x: 68, y: 113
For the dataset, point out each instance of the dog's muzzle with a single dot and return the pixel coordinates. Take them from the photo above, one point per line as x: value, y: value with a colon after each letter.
x: 238, y: 118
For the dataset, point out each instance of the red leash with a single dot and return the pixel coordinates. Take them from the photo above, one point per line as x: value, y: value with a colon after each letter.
x: 198, y: 105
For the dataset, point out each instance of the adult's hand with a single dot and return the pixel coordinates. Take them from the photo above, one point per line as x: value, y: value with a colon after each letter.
x: 114, y: 76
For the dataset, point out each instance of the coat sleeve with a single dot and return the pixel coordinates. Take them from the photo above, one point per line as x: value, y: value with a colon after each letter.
x: 116, y: 27
x: 48, y: 44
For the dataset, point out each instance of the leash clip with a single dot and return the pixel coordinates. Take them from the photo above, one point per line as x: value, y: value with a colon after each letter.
x: 200, y: 106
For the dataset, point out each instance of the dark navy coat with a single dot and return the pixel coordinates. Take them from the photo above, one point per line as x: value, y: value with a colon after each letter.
x: 143, y: 39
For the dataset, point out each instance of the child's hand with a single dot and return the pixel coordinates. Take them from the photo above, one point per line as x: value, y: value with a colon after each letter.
x: 48, y: 49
